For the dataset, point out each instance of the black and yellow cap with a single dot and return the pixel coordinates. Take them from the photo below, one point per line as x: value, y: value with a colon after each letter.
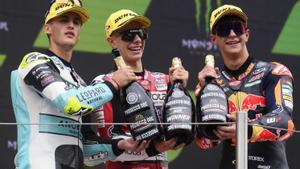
x: 224, y: 10
x: 122, y: 17
x: 59, y: 7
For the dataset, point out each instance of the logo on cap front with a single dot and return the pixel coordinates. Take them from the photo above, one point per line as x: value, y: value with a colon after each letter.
x: 124, y: 16
x: 221, y: 11
x: 64, y: 5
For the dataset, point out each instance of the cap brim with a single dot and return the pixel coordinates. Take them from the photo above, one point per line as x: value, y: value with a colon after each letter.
x: 83, y: 13
x: 144, y: 21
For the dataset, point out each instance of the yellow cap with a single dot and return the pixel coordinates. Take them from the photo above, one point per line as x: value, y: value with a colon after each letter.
x: 59, y: 7
x: 121, y: 18
x: 224, y: 10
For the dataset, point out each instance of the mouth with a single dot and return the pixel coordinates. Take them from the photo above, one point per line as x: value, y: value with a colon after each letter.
x: 232, y: 42
x: 70, y: 34
x: 135, y: 48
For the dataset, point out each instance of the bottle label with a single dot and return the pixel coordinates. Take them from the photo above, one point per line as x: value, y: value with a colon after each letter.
x: 132, y: 98
x: 213, y: 104
x: 139, y: 112
x: 178, y: 110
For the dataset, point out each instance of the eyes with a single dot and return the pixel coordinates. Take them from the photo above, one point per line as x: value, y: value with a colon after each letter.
x: 223, y: 29
x: 74, y: 19
x: 129, y: 35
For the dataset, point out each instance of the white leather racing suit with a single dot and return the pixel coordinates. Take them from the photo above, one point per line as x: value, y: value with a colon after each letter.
x: 49, y: 98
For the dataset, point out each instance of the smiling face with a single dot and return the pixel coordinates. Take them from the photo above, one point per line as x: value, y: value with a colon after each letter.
x: 63, y: 31
x: 231, y: 35
x: 131, y: 51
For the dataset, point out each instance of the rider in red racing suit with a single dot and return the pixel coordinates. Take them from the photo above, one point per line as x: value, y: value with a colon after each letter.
x: 265, y: 91
x: 156, y: 84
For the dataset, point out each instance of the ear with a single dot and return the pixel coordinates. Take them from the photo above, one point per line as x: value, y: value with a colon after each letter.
x: 47, y: 29
x: 213, y: 38
x: 247, y: 34
x: 112, y: 41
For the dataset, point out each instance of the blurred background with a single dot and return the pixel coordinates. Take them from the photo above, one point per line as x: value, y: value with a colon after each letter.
x: 179, y: 28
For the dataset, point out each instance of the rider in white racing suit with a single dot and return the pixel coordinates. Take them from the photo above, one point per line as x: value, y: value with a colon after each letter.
x: 51, y: 101
x: 46, y: 89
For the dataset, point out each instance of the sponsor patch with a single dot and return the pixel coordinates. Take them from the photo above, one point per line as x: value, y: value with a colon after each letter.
x: 281, y: 70
x: 158, y: 98
x: 287, y: 94
x: 36, y: 56
x: 252, y: 83
x: 161, y: 87
x: 259, y: 70
x: 256, y: 77
x: 158, y: 75
x: 256, y: 158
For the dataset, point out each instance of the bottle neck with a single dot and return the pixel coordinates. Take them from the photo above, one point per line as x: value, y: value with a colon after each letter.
x: 177, y: 83
x: 210, y: 79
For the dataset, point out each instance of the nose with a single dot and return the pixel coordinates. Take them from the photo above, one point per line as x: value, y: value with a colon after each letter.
x: 232, y: 33
x: 71, y: 24
x: 137, y: 38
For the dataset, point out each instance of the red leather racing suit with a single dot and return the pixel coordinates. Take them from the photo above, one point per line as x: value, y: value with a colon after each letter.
x: 156, y: 84
x: 265, y: 91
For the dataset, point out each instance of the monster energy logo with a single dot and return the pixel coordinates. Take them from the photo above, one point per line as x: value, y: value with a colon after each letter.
x: 2, y: 59
x: 4, y: 26
x: 207, y: 10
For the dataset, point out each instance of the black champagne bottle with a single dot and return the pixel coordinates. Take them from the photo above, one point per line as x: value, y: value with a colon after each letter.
x: 178, y: 111
x: 212, y: 105
x: 138, y: 107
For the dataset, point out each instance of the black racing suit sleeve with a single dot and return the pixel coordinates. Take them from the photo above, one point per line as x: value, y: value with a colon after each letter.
x: 89, y: 135
x: 97, y: 150
x: 111, y: 87
x: 279, y: 100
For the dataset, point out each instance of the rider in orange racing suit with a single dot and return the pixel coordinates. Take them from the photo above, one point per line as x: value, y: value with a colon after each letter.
x: 264, y: 90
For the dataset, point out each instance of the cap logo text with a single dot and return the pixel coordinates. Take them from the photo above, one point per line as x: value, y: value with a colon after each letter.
x: 70, y: 3
x: 123, y: 16
x: 221, y: 11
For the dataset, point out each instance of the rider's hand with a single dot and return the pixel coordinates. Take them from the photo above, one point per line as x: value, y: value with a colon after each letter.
x: 132, y: 145
x: 170, y: 144
x: 179, y: 73
x: 123, y: 76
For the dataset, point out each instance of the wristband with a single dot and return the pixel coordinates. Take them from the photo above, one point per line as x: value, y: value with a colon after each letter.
x: 118, y: 86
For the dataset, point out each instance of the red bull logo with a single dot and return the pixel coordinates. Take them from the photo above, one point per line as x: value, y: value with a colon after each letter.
x: 245, y: 102
x: 232, y: 107
x: 251, y: 102
x: 266, y: 135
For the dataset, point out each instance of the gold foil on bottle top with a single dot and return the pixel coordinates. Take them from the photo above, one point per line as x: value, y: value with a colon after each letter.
x: 120, y: 62
x: 176, y: 62
x: 210, y: 60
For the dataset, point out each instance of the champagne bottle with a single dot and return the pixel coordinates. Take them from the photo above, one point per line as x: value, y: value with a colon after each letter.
x: 138, y: 107
x: 178, y: 111
x: 212, y: 104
